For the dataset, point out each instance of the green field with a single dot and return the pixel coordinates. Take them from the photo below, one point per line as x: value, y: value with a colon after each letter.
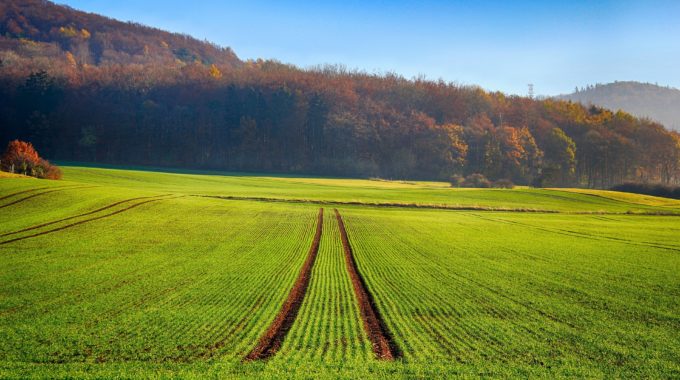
x: 140, y: 273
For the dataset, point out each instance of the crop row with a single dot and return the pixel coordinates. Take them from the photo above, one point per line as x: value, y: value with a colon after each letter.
x: 193, y: 280
x: 328, y: 327
x: 527, y: 296
x: 178, y: 286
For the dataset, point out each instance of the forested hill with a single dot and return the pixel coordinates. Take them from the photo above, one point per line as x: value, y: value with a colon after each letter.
x: 41, y: 29
x: 641, y: 99
x: 86, y: 88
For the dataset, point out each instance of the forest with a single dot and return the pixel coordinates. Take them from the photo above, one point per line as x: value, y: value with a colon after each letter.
x: 81, y: 87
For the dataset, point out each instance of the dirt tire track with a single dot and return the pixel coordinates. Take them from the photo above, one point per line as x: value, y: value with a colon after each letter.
x: 271, y: 340
x: 43, y: 193
x: 582, y: 235
x: 384, y: 346
x: 381, y: 204
x: 83, y: 221
x: 79, y: 215
x: 22, y: 192
x: 670, y: 212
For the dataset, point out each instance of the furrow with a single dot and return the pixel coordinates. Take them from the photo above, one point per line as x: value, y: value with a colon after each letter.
x: 383, y: 344
x: 272, y: 339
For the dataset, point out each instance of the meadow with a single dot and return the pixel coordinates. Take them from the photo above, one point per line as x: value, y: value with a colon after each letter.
x: 143, y: 273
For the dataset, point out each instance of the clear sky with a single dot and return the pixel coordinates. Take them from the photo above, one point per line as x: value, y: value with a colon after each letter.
x: 499, y: 45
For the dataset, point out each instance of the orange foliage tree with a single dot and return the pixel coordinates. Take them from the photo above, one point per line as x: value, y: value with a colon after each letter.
x: 21, y: 157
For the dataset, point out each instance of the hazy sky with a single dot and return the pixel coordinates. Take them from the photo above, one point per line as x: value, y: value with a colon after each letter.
x: 500, y: 45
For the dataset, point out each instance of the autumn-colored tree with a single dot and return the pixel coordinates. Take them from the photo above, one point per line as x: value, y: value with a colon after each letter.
x: 46, y: 170
x: 21, y: 157
x: 479, y: 131
x: 215, y: 72
x: 71, y: 59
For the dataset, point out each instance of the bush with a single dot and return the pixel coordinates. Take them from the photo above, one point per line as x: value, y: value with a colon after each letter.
x: 46, y: 170
x: 476, y: 180
x: 21, y: 157
x: 657, y: 189
x: 456, y: 180
x: 503, y: 184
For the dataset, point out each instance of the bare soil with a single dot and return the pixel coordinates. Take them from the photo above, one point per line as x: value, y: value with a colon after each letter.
x: 384, y: 346
x: 270, y: 342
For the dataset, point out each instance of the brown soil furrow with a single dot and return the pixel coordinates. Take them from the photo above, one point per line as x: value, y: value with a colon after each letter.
x: 79, y: 215
x: 381, y: 204
x: 450, y: 207
x: 81, y: 222
x: 271, y: 340
x: 43, y: 193
x: 383, y: 345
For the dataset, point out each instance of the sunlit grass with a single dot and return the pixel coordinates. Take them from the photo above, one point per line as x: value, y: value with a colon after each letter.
x: 183, y: 286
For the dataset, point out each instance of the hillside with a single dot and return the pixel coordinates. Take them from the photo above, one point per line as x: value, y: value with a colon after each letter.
x: 41, y: 29
x: 86, y: 88
x: 661, y: 104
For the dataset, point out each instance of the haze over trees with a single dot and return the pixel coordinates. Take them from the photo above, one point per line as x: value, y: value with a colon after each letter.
x: 83, y: 87
x: 658, y: 103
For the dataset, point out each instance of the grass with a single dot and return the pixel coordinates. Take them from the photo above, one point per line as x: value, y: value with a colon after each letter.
x: 361, y: 191
x: 329, y: 328
x: 10, y: 175
x: 601, y: 301
x: 648, y: 200
x: 183, y: 286
x: 178, y: 290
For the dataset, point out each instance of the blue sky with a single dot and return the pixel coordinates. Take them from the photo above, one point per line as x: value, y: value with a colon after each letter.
x: 499, y: 45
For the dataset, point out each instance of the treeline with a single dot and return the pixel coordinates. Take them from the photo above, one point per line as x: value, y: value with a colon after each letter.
x: 657, y: 190
x: 267, y: 116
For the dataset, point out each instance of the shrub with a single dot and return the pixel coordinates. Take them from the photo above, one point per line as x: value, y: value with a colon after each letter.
x: 476, y: 180
x: 48, y: 171
x: 456, y: 180
x: 657, y: 189
x: 21, y: 157
x: 503, y: 184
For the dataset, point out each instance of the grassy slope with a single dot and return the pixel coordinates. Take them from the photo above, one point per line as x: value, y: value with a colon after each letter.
x: 10, y: 175
x: 346, y: 190
x: 648, y: 200
x: 186, y: 285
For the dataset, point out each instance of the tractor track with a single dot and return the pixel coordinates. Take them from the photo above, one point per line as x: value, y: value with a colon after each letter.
x: 384, y: 346
x: 23, y: 192
x: 271, y: 340
x: 83, y: 221
x: 42, y: 193
x: 79, y: 215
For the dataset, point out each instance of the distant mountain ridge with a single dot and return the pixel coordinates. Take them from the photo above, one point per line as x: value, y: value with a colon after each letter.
x: 661, y: 104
